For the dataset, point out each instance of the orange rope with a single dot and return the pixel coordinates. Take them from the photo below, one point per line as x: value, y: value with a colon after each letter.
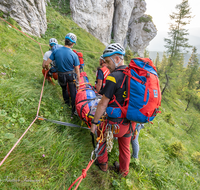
x: 39, y: 100
x: 83, y: 175
x: 100, y: 138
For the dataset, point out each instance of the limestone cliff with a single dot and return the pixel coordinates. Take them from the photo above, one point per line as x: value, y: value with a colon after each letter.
x: 30, y: 14
x: 122, y: 21
x: 94, y: 16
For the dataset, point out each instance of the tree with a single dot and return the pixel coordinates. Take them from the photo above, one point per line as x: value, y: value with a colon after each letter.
x: 157, y: 61
x: 192, y: 76
x: 192, y: 70
x: 146, y: 53
x: 177, y: 42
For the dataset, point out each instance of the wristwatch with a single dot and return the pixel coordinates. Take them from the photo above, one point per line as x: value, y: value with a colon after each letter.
x: 94, y: 122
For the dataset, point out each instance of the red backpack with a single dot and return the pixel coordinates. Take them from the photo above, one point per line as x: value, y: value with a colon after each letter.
x: 80, y: 56
x: 143, y: 96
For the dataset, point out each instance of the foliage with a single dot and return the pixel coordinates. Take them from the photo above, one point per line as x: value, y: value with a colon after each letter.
x: 168, y: 118
x: 146, y: 29
x: 176, y: 149
x: 145, y: 18
x: 192, y: 70
x: 128, y: 56
x: 62, y: 6
x: 196, y: 157
x: 177, y: 42
x: 146, y: 53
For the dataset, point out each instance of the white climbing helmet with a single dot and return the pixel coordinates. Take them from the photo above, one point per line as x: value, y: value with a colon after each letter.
x: 53, y: 41
x: 72, y: 37
x: 112, y: 49
x: 101, y: 57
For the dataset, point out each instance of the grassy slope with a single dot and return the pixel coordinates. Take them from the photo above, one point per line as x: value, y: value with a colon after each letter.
x: 67, y: 150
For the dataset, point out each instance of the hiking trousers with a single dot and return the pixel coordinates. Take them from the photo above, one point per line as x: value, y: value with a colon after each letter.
x: 124, y: 138
x: 65, y: 79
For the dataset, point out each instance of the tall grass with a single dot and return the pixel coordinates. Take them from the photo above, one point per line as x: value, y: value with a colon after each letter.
x: 51, y: 156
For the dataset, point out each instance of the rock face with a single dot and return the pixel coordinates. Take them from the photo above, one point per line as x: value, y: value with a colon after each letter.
x: 123, y: 10
x: 120, y: 21
x: 123, y: 21
x: 29, y: 14
x: 141, y: 29
x: 96, y: 17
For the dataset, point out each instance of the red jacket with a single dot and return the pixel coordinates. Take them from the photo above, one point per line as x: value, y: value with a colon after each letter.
x: 106, y: 72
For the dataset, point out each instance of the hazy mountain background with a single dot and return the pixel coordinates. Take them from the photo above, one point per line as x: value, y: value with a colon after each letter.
x: 157, y: 44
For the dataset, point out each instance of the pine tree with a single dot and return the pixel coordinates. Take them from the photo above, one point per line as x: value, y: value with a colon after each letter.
x: 177, y: 42
x: 192, y: 76
x: 146, y: 53
x: 192, y: 70
x: 157, y: 61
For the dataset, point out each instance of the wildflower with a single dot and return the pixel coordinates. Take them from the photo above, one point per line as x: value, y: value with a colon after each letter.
x: 187, y: 174
x: 3, y: 73
x: 43, y: 155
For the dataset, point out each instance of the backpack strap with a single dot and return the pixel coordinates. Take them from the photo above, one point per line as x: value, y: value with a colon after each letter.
x: 147, y: 87
x: 129, y: 75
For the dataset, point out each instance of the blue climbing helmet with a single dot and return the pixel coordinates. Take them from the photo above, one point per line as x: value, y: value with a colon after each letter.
x: 72, y: 37
x: 53, y: 42
x: 112, y: 49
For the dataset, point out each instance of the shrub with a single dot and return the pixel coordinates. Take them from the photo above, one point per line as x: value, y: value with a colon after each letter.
x: 146, y: 29
x: 168, y: 118
x: 196, y: 157
x: 145, y: 18
x: 176, y: 149
x: 128, y: 56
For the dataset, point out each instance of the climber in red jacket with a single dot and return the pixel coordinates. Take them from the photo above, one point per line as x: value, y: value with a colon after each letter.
x: 101, y: 75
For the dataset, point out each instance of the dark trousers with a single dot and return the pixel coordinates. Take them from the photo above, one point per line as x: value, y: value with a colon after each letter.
x: 64, y: 79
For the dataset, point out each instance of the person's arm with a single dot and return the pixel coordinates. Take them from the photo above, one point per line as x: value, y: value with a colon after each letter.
x: 99, y: 85
x: 46, y: 64
x: 77, y: 73
x: 43, y: 64
x: 45, y: 59
x: 101, y: 108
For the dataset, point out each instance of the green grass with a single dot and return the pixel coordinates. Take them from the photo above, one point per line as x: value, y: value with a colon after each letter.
x: 53, y: 156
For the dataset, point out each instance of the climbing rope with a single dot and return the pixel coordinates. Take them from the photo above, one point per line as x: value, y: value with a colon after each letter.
x: 39, y: 100
x: 97, y: 149
x: 83, y: 175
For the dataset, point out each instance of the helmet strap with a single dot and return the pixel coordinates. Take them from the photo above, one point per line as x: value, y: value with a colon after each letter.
x: 116, y: 64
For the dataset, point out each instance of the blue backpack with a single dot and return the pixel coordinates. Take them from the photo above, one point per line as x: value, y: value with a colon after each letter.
x: 143, y: 95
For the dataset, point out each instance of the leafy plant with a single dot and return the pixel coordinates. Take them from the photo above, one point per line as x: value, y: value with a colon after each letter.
x: 176, y: 149
x: 196, y: 157
x: 169, y: 119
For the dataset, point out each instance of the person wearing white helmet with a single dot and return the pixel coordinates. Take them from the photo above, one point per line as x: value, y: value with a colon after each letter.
x: 115, y: 89
x: 66, y: 61
x: 101, y: 75
x: 52, y: 43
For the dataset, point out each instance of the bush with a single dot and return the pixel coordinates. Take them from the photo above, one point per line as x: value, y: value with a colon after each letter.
x: 168, y: 118
x: 196, y: 157
x: 176, y: 149
x: 128, y: 56
x: 146, y: 29
x: 145, y: 18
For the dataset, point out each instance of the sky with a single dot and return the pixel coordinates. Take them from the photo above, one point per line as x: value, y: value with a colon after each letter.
x: 160, y: 11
